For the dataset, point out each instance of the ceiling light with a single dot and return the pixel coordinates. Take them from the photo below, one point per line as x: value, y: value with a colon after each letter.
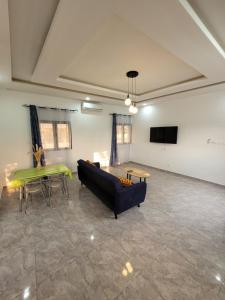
x: 128, y: 100
x: 87, y: 98
x: 131, y: 91
x: 133, y: 108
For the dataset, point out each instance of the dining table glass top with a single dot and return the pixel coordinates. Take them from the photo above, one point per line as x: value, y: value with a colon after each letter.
x: 20, y: 177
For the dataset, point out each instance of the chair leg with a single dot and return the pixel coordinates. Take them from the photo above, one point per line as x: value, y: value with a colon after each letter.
x: 49, y: 195
x: 115, y: 215
x: 21, y: 198
x: 138, y: 205
x: 26, y: 201
x: 63, y: 186
x: 66, y: 187
x: 43, y: 192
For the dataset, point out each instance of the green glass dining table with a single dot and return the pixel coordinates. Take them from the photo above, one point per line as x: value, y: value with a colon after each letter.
x: 21, y: 177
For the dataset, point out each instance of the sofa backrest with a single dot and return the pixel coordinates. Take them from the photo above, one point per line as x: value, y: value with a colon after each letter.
x: 103, y: 180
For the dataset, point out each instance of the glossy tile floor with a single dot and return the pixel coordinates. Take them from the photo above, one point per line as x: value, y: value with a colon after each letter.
x: 171, y: 248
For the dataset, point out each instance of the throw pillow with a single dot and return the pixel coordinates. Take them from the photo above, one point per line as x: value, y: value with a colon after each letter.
x: 125, y: 181
x: 90, y: 163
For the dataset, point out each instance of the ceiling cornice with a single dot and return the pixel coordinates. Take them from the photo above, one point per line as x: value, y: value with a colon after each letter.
x: 35, y: 84
x: 217, y: 84
x: 198, y: 21
x: 213, y: 69
x: 64, y: 79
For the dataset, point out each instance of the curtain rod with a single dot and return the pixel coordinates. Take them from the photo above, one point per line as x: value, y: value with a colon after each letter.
x: 54, y: 108
x: 121, y: 115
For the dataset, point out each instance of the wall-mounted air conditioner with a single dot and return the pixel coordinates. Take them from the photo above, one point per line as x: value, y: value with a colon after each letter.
x: 91, y: 107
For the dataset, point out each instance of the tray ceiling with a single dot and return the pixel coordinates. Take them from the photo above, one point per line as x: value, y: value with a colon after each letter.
x: 29, y: 26
x: 86, y: 47
x: 119, y: 47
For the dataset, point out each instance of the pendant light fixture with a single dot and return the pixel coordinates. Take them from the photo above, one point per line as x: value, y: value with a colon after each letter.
x: 133, y: 108
x: 128, y: 100
x: 131, y: 75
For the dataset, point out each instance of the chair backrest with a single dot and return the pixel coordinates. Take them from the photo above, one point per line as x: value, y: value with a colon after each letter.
x: 54, y: 180
x: 34, y: 182
x: 33, y: 186
x: 55, y: 176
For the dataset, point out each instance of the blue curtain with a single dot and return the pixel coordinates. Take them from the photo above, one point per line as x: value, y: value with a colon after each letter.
x: 35, y: 133
x: 113, y: 156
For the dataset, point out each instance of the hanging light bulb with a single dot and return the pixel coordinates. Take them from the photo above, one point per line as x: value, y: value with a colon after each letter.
x: 128, y: 100
x: 135, y: 109
x: 131, y: 92
x: 131, y: 108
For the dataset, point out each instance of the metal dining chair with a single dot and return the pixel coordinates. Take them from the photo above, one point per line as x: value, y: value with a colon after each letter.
x: 54, y: 182
x: 34, y: 187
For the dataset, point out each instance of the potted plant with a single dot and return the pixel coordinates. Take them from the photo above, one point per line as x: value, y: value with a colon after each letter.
x: 37, y: 152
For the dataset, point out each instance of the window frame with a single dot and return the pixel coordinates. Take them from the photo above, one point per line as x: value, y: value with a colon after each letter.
x: 55, y: 134
x: 130, y: 126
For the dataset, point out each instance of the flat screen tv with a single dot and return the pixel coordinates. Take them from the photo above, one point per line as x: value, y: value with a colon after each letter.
x: 167, y: 135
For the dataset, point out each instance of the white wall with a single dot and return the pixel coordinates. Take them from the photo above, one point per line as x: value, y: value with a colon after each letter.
x: 91, y: 133
x: 199, y: 118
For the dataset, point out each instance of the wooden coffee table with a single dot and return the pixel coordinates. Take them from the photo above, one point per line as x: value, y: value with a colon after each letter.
x: 137, y: 173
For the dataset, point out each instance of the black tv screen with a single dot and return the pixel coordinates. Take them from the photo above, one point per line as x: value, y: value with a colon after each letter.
x: 166, y: 135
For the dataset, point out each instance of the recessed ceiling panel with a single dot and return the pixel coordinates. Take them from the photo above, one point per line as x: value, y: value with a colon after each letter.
x: 30, y: 21
x: 212, y: 13
x: 119, y: 47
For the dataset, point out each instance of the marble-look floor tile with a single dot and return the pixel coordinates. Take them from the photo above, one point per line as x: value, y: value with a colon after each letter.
x: 140, y: 289
x: 17, y: 273
x: 171, y: 248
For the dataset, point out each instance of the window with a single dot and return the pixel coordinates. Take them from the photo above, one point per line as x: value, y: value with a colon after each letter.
x: 123, y: 134
x: 63, y: 134
x: 47, y: 136
x: 126, y: 134
x: 55, y: 135
x: 119, y: 132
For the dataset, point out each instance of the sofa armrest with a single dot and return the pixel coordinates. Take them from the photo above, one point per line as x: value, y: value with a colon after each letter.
x: 129, y: 196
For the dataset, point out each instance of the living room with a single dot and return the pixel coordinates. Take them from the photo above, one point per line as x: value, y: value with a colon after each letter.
x: 112, y: 170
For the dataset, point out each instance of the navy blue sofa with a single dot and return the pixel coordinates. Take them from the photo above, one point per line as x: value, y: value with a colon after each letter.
x: 109, y: 189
